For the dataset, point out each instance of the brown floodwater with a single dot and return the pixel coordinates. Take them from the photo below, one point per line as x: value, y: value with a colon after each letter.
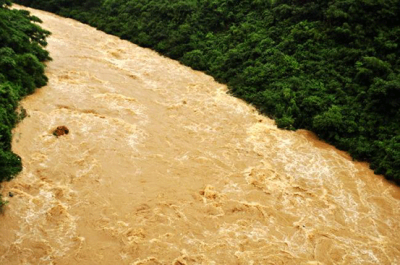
x: 162, y: 166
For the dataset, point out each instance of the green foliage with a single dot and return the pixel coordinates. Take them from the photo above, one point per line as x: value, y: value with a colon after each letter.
x: 331, y: 67
x: 21, y: 72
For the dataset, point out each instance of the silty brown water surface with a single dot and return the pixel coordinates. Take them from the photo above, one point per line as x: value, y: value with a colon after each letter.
x: 161, y: 166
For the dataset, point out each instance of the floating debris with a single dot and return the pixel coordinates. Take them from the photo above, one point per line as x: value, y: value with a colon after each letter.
x: 61, y: 130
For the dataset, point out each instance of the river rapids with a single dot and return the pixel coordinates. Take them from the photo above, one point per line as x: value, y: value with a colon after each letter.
x: 162, y: 166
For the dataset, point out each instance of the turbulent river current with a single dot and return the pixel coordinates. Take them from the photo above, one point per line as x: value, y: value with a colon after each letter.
x: 162, y: 166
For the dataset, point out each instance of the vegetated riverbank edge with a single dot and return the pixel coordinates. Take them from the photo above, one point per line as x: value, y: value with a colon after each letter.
x: 21, y: 72
x: 328, y: 67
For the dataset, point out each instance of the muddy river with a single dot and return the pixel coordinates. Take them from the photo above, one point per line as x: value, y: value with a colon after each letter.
x: 162, y: 166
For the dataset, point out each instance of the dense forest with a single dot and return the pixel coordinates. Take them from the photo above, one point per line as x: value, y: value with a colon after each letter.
x: 331, y: 67
x: 21, y: 72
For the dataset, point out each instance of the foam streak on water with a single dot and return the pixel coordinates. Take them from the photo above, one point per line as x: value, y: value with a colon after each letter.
x: 161, y: 166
